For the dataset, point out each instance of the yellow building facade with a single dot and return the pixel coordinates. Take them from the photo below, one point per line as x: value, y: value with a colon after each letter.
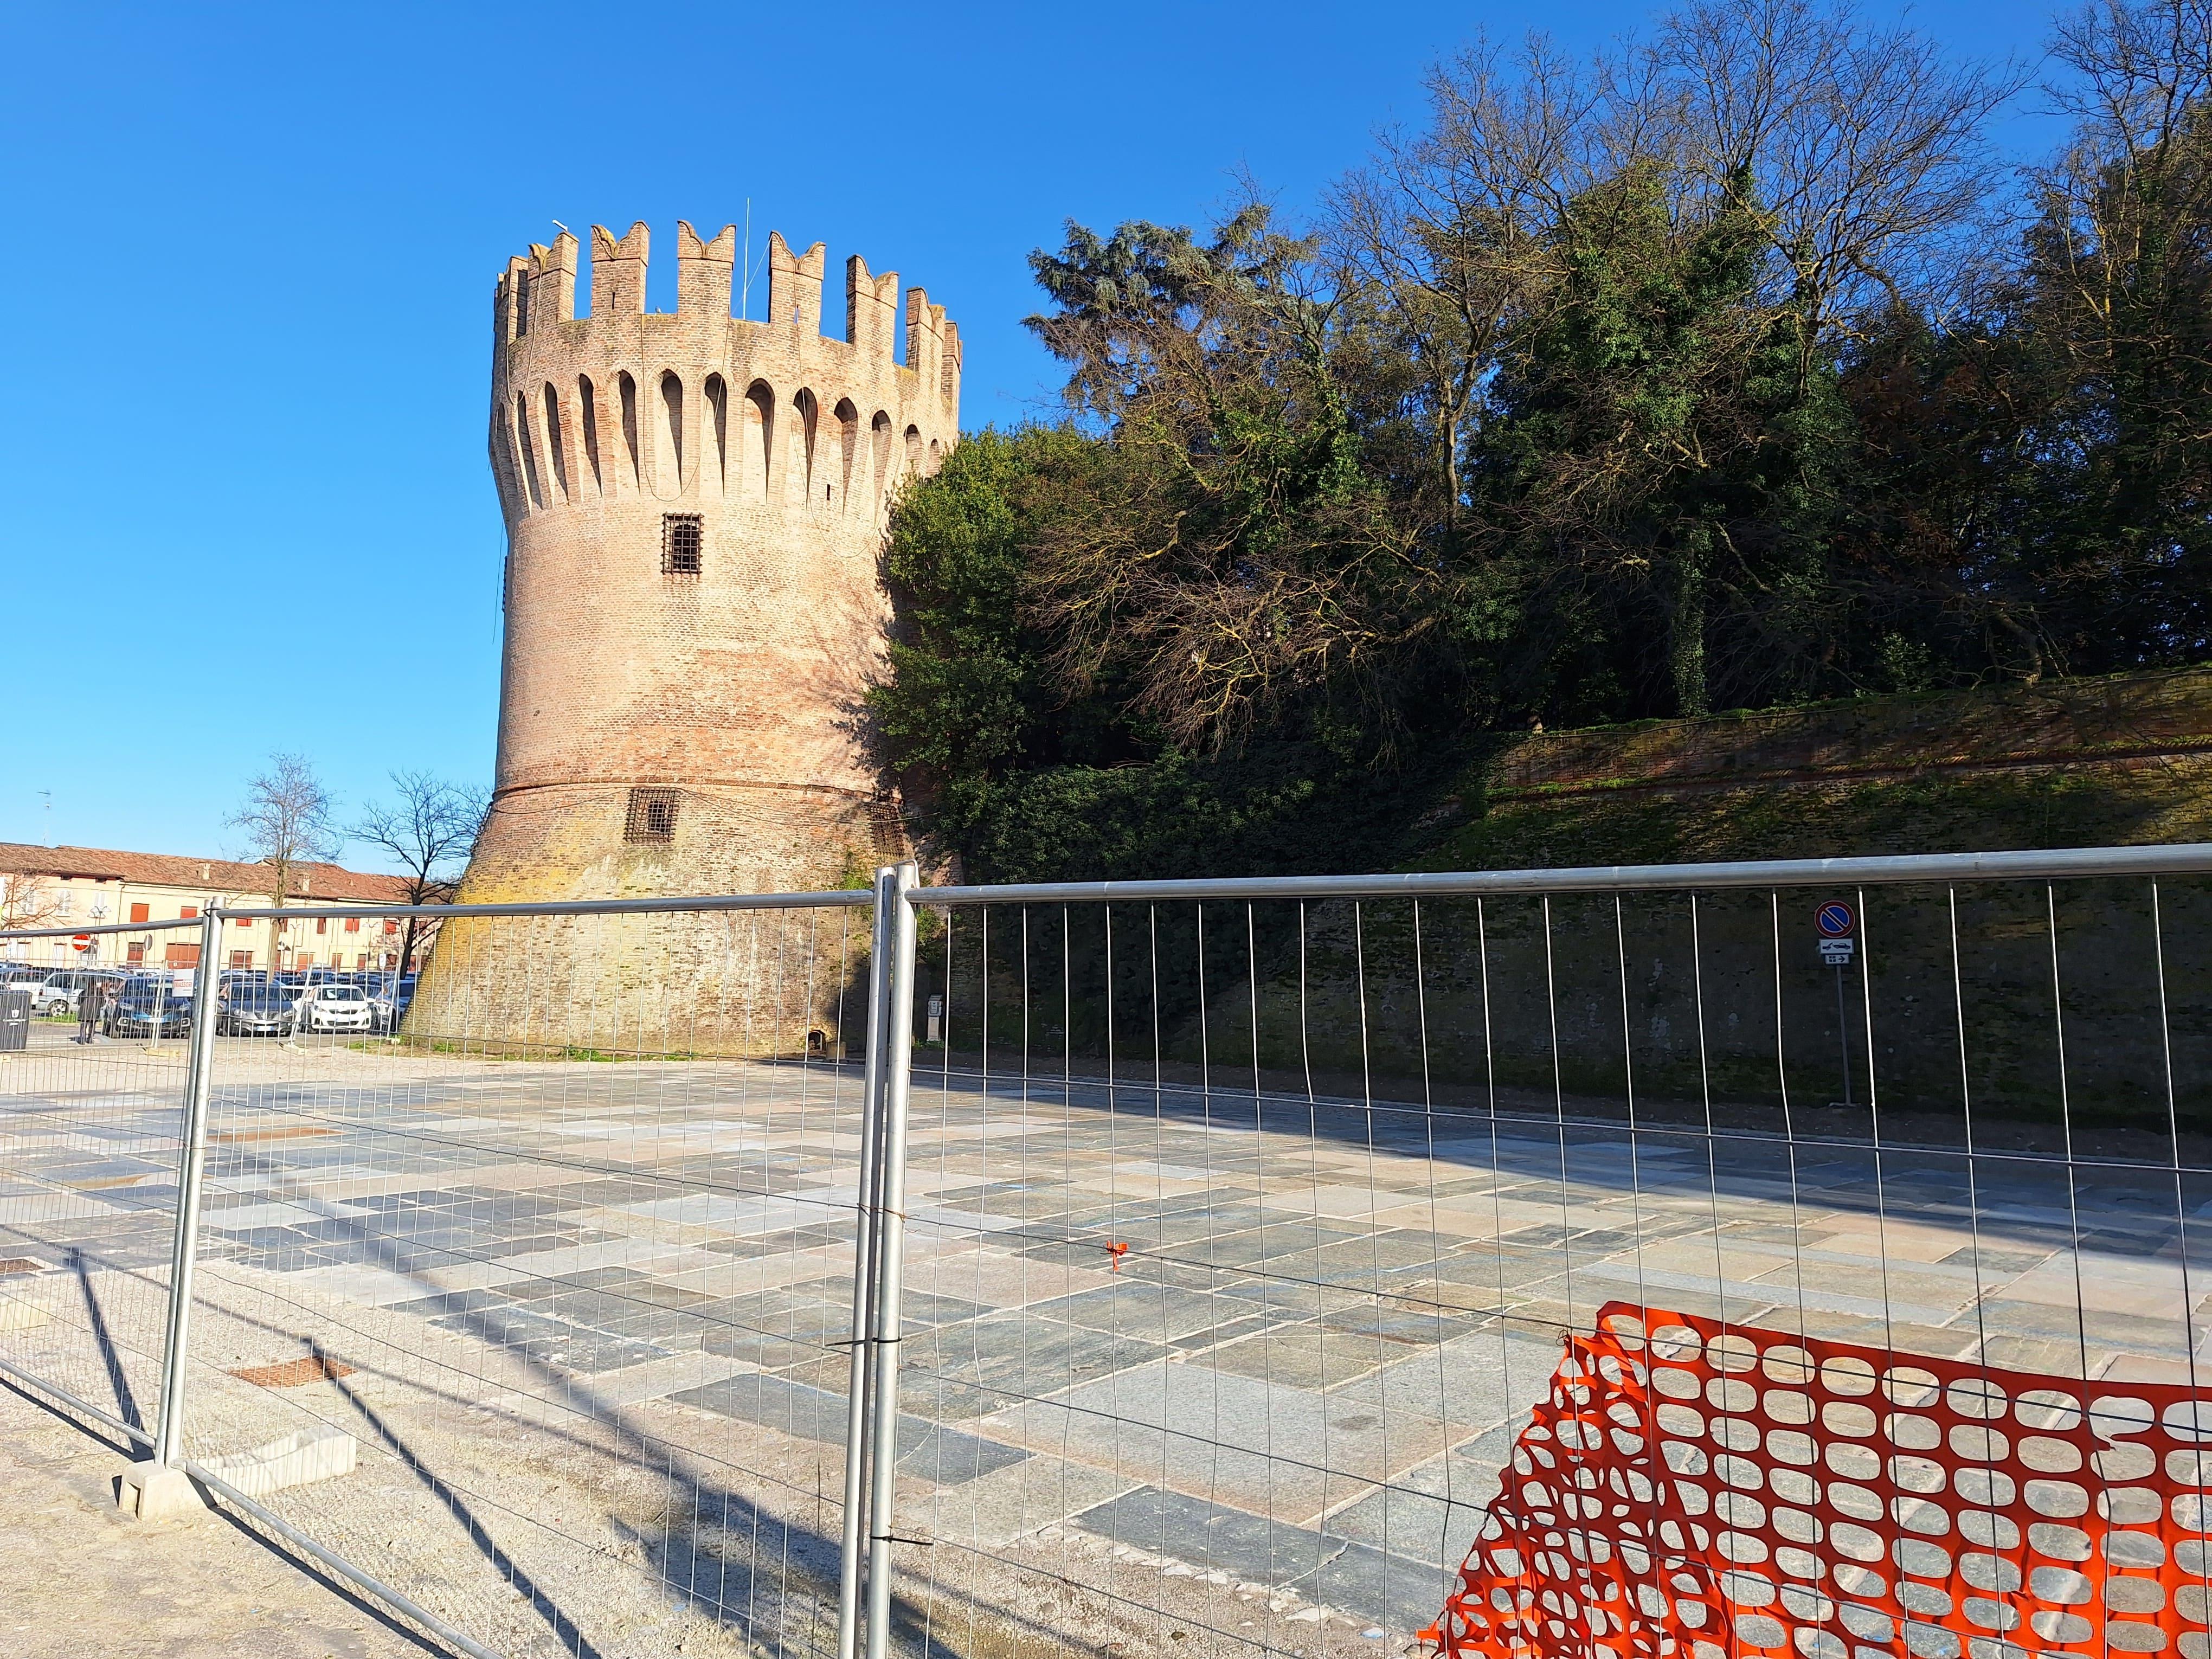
x: 43, y: 887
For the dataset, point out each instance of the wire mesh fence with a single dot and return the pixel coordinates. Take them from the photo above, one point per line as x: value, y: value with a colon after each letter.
x: 90, y: 1106
x: 565, y: 1264
x: 1333, y: 1266
x: 1249, y: 1229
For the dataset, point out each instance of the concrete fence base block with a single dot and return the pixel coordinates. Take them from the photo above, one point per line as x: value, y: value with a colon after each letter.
x: 155, y: 1492
x: 316, y: 1453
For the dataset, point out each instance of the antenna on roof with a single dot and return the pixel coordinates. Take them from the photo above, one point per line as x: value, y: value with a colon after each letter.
x: 49, y: 795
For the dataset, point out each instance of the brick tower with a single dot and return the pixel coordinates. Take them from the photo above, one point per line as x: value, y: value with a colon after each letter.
x: 695, y: 508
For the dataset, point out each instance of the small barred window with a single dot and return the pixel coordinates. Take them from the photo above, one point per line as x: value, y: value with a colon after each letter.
x: 652, y: 815
x: 683, y: 543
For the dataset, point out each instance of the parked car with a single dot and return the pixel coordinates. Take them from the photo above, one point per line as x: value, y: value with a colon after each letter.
x: 256, y: 1009
x: 330, y: 1007
x: 148, y: 1008
x: 15, y: 976
x: 389, y: 996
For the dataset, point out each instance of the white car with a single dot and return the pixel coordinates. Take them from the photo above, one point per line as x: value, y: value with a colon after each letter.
x: 335, y: 1008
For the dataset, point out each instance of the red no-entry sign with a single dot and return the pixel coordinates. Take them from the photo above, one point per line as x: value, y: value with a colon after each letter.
x: 83, y: 941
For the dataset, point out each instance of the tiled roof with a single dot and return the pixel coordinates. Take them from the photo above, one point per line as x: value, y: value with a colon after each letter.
x: 309, y: 881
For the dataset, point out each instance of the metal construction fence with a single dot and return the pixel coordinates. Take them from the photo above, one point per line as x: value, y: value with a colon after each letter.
x: 1703, y: 1260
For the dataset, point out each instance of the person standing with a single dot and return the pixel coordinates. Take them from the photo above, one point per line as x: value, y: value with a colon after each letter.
x: 88, y: 1002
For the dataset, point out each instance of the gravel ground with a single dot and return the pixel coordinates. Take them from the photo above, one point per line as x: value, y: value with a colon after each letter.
x: 79, y: 1578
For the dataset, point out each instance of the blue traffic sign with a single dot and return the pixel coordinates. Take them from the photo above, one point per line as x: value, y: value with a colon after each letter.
x: 1834, y: 920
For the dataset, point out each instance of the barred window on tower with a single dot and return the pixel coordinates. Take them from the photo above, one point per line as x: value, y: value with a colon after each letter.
x: 652, y: 815
x: 683, y: 543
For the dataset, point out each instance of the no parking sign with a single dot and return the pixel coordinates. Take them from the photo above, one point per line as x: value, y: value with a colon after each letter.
x: 1838, y: 929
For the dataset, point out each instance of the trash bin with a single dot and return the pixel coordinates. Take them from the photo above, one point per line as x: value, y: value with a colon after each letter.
x: 14, y: 1020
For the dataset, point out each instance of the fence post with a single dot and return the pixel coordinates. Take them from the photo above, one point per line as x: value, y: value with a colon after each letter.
x: 890, y: 1256
x: 191, y: 1159
x: 869, y: 1206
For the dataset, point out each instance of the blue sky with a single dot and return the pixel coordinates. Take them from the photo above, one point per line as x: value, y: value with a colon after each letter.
x: 248, y: 312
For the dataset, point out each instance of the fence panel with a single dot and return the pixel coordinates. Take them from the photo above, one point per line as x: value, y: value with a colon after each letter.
x: 1226, y: 1246
x: 1244, y: 1234
x: 90, y: 1113
x: 536, y: 1310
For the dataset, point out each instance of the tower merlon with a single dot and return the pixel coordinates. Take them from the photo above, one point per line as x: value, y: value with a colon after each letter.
x: 550, y: 294
x: 932, y: 345
x: 871, y: 311
x: 508, y: 319
x: 704, y: 270
x: 618, y: 270
x: 794, y: 284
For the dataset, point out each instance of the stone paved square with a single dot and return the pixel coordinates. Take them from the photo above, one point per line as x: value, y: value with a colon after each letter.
x: 1263, y: 1348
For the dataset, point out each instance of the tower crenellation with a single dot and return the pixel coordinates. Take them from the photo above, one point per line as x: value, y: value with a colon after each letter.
x: 539, y: 290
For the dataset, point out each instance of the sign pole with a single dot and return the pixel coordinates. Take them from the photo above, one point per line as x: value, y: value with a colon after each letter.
x: 1844, y: 1032
x: 1837, y: 924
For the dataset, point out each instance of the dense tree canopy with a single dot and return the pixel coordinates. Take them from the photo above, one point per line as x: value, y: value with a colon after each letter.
x: 1725, y: 370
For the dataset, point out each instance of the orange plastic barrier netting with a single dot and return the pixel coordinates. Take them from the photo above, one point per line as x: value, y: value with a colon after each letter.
x: 1723, y: 1492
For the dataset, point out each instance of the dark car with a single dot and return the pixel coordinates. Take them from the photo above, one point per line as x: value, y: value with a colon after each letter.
x: 147, y: 1007
x: 256, y: 1010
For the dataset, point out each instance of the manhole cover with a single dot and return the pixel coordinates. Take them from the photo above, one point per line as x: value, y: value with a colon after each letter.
x: 294, y: 1373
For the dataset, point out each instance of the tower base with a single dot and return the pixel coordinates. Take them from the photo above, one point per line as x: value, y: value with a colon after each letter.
x: 779, y: 983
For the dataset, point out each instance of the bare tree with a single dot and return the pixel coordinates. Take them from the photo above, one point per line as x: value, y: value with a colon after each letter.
x: 1857, y: 149
x: 1859, y: 146
x: 1838, y: 161
x: 2124, y: 238
x: 287, y: 821
x: 1449, y: 230
x: 429, y: 830
x: 26, y: 901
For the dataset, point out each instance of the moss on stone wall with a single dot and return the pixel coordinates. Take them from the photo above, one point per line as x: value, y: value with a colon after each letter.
x: 2121, y: 760
x: 2087, y: 804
